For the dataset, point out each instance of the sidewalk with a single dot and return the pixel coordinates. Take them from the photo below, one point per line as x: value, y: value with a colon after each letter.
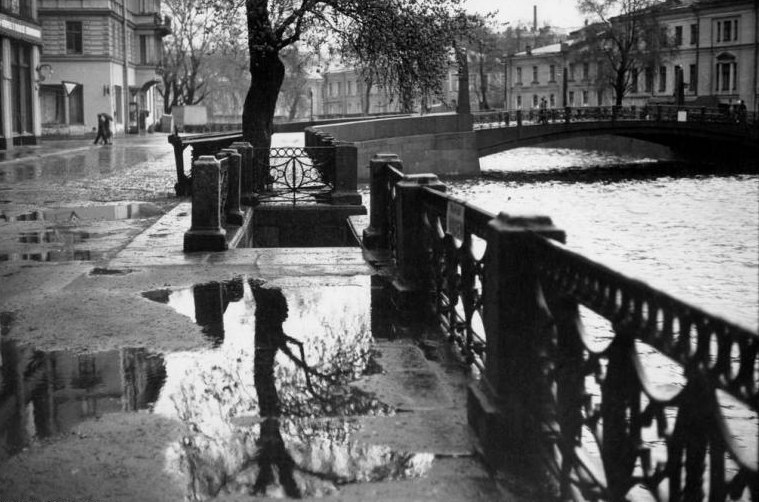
x: 143, y: 373
x: 59, y: 146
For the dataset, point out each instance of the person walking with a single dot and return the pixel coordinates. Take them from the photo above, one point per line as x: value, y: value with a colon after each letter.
x: 101, y: 130
x: 107, y: 132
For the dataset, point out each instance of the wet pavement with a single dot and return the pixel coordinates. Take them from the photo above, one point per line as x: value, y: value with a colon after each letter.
x: 138, y: 372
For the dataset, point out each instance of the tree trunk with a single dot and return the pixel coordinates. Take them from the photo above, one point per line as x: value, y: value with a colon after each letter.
x: 266, y: 75
x: 294, y: 108
x: 367, y: 96
x: 619, y: 88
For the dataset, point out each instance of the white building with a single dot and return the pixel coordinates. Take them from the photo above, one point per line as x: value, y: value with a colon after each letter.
x: 104, y: 55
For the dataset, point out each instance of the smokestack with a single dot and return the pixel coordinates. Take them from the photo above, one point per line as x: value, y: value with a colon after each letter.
x: 535, y: 18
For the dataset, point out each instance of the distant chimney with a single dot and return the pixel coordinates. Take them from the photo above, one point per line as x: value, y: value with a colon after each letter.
x: 534, y: 18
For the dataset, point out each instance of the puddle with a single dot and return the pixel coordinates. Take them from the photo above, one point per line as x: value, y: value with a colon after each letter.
x: 86, y: 162
x: 74, y: 214
x: 269, y: 406
x: 44, y: 394
x: 61, y: 234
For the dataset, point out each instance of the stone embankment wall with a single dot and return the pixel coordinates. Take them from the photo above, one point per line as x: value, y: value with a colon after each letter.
x: 442, y: 144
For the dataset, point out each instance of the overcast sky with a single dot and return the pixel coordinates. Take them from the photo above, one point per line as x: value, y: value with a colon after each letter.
x: 562, y: 13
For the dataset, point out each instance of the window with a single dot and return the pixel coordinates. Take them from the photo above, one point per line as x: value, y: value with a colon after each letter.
x: 76, y: 106
x: 18, y: 7
x: 552, y: 100
x: 600, y: 97
x: 585, y: 71
x: 519, y: 75
x: 693, y: 34
x: 534, y: 74
x: 649, y: 80
x: 571, y: 71
x: 52, y: 103
x: 584, y: 98
x: 519, y: 101
x: 634, y: 81
x: 727, y: 70
x: 21, y: 87
x: 552, y: 73
x: 144, y: 49
x: 571, y: 98
x: 727, y: 30
x: 693, y: 78
x: 73, y: 37
x: 662, y: 78
x: 678, y: 35
x: 534, y: 100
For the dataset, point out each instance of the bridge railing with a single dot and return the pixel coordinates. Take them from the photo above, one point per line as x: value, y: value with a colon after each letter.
x: 665, y: 113
x: 663, y: 404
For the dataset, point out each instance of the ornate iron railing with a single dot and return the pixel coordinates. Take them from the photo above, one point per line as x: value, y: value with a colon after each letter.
x: 457, y: 269
x: 665, y: 113
x: 294, y: 175
x: 662, y: 405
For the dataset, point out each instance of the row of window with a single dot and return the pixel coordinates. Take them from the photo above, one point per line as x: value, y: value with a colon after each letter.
x: 58, y: 107
x: 571, y: 73
x: 726, y: 30
x: 581, y: 98
x: 74, y: 45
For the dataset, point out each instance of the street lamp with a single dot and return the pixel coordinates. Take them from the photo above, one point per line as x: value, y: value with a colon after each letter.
x: 311, y: 95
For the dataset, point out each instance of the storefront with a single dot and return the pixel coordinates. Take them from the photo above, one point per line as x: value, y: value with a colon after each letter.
x: 20, y: 41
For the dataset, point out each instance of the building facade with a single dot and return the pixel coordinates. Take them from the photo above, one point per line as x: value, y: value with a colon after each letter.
x: 20, y: 42
x: 714, y: 62
x: 104, y: 56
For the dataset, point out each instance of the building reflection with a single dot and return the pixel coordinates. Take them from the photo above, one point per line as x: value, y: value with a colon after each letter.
x: 47, y: 393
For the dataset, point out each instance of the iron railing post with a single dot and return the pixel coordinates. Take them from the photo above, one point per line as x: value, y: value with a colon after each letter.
x: 235, y: 216
x: 375, y: 236
x: 509, y: 404
x: 345, y: 188
x: 247, y: 172
x: 206, y: 233
x: 412, y: 254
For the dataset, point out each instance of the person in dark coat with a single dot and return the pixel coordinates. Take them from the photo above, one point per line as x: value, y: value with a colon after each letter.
x: 101, y: 130
x: 107, y: 132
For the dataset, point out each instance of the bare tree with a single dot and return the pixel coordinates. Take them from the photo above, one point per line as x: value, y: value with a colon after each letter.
x: 627, y: 36
x: 200, y: 34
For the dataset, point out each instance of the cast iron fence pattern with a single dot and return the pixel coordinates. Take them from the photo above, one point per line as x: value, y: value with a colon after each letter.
x: 609, y: 426
x: 457, y: 269
x: 393, y: 177
x: 294, y: 175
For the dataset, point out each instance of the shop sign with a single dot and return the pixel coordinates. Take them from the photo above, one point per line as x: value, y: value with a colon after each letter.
x: 14, y: 28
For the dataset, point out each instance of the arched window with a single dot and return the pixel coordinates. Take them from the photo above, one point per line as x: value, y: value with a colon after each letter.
x: 727, y: 73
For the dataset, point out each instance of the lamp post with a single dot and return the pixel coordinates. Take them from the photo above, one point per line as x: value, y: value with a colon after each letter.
x: 311, y: 95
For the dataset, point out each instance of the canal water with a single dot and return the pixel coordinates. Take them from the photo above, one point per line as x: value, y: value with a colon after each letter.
x: 693, y: 236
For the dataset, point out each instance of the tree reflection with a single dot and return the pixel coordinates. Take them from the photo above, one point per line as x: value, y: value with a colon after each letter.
x: 291, y: 436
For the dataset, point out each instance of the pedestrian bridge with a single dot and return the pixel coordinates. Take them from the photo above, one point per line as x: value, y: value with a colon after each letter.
x: 682, y: 129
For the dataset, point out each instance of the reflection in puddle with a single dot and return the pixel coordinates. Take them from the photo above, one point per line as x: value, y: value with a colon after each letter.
x: 43, y: 394
x: 55, y: 235
x: 78, y: 164
x: 270, y: 409
x: 110, y: 212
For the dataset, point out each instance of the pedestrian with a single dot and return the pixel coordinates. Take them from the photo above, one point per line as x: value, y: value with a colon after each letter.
x: 543, y: 111
x: 101, y: 130
x: 107, y: 132
x: 742, y: 111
